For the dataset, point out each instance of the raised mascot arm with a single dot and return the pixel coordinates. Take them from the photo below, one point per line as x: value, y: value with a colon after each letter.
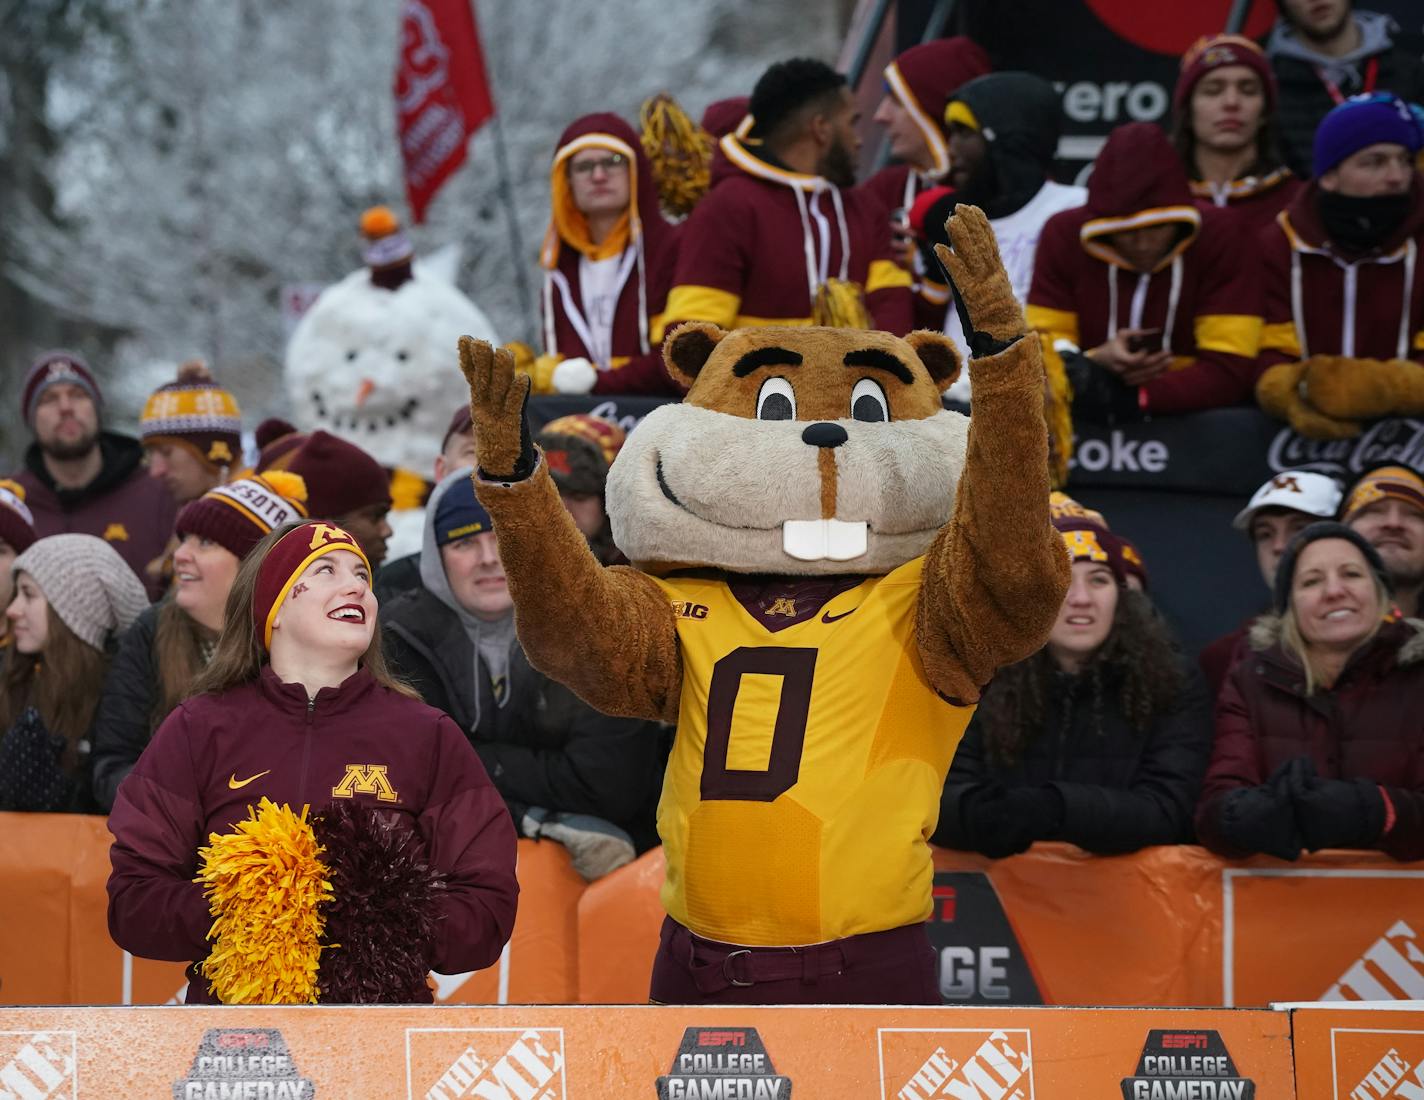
x: 608, y: 634
x: 996, y: 574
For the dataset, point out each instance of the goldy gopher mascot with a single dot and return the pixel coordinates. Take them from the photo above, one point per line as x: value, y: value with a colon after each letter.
x: 828, y: 567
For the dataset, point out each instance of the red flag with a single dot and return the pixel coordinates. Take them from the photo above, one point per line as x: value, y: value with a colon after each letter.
x: 442, y: 96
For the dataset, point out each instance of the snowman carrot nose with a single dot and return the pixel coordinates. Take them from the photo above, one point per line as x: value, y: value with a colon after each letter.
x: 363, y: 391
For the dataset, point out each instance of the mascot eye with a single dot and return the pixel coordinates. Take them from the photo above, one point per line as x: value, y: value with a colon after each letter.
x: 867, y: 402
x: 776, y: 401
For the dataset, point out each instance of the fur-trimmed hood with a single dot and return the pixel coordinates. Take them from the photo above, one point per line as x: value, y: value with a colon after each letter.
x: 1265, y: 633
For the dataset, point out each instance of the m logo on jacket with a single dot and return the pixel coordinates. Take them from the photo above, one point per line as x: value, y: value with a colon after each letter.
x: 366, y: 779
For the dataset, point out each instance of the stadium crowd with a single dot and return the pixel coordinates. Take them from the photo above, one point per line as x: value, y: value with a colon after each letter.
x: 1264, y: 249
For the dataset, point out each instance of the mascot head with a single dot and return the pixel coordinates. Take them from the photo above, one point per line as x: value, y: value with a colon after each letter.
x: 370, y: 360
x: 796, y: 451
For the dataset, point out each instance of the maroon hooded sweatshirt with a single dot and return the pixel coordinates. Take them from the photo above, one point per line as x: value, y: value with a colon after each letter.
x: 217, y: 755
x: 645, y: 265
x: 1321, y: 300
x: 923, y: 80
x: 1203, y: 294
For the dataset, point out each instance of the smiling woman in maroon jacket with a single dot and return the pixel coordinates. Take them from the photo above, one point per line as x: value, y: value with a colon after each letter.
x: 1319, y: 732
x: 297, y: 706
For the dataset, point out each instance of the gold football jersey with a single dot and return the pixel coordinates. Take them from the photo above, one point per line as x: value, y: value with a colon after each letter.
x: 805, y: 777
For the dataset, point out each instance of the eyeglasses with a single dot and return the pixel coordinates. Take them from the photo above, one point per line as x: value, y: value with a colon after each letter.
x: 609, y: 164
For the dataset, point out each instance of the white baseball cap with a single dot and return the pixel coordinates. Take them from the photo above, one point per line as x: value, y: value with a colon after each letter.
x: 1298, y: 490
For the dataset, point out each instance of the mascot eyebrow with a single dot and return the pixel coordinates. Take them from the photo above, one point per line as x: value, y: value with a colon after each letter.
x: 765, y: 357
x: 880, y: 360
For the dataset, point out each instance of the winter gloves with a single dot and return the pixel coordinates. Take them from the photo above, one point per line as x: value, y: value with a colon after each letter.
x: 998, y: 821
x: 596, y: 846
x: 1099, y: 395
x: 1327, y: 396
x: 1295, y: 809
x: 504, y: 449
x: 979, y: 284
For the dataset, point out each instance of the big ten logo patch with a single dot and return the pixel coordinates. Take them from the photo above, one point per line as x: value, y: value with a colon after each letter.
x: 722, y: 1063
x: 979, y: 957
x: 243, y: 1064
x: 485, y: 1063
x: 1177, y: 1063
x: 686, y: 609
x: 963, y: 1064
x: 1391, y: 969
x: 37, y: 1065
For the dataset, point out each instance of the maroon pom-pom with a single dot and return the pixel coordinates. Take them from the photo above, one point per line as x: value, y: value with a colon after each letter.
x: 381, y: 917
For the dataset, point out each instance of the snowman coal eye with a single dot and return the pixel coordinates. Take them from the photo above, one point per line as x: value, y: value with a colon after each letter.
x: 776, y: 400
x: 867, y: 402
x: 402, y: 355
x: 350, y: 355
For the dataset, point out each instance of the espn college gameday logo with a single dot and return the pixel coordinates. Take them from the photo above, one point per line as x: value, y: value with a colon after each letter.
x: 484, y: 1063
x: 37, y: 1065
x: 958, y: 1063
x: 1177, y: 1064
x: 722, y: 1063
x: 1377, y: 1065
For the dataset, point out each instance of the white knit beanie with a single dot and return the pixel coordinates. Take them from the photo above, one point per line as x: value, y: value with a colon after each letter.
x: 91, y: 588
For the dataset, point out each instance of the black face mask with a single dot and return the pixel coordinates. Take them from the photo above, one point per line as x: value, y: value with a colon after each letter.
x: 1360, y: 224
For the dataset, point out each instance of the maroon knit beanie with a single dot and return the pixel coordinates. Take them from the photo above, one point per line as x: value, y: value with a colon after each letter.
x: 1216, y: 52
x: 239, y: 514
x: 52, y: 368
x: 459, y: 424
x: 341, y: 478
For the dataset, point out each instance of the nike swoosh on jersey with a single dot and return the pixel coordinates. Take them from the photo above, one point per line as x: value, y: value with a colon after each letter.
x: 829, y: 618
x: 234, y: 783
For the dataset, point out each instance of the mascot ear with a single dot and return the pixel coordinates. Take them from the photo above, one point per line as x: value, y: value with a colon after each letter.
x: 939, y: 355
x: 687, y: 350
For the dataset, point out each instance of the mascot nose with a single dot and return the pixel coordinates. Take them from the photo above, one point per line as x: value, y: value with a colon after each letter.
x: 824, y: 435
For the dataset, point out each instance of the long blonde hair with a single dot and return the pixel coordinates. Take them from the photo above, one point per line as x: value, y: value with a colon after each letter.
x: 1294, y: 643
x: 240, y: 654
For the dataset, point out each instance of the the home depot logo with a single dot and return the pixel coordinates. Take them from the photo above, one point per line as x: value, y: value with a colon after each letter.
x: 1377, y: 1065
x: 485, y: 1063
x: 36, y: 1065
x: 962, y: 1064
x: 1392, y: 969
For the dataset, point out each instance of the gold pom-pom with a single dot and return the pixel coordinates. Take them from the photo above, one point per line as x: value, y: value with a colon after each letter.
x: 840, y: 304
x: 680, y: 152
x: 264, y: 882
x: 290, y: 485
x: 13, y: 487
x: 194, y: 370
x: 379, y: 221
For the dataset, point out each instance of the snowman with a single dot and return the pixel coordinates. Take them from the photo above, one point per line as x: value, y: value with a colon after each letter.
x: 374, y: 361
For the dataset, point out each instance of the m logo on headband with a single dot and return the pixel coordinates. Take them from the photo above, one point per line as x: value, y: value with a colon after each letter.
x: 1284, y: 483
x: 324, y: 534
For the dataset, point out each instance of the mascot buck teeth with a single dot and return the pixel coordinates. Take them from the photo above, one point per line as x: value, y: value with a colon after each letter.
x: 828, y: 567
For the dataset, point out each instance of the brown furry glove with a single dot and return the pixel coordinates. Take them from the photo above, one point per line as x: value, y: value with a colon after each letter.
x: 980, y: 282
x: 1364, y: 389
x: 498, y: 394
x: 1278, y: 393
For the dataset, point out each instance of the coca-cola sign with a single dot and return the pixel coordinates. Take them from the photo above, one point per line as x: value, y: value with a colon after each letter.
x: 1386, y: 442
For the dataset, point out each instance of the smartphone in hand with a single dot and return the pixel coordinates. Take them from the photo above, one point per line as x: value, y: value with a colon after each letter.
x: 1147, y: 339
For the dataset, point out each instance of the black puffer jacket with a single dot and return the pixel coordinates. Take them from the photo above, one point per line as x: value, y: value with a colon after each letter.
x: 1120, y: 789
x: 545, y: 747
x: 125, y: 720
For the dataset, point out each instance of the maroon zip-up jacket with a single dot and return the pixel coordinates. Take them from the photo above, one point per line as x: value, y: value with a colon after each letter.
x: 216, y: 755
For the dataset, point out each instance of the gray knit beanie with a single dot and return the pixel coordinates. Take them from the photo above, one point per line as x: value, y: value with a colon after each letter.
x: 91, y: 588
